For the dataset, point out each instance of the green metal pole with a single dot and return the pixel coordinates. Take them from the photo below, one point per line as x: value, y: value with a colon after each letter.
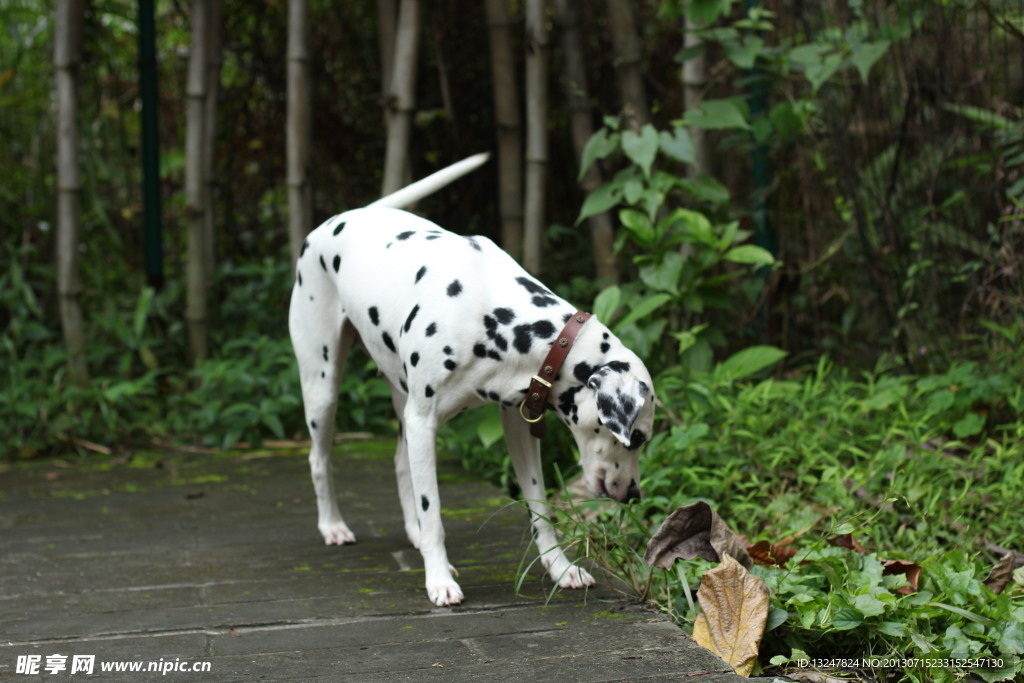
x: 153, y: 231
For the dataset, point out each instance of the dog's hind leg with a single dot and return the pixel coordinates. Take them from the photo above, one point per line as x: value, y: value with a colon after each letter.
x: 525, y: 454
x: 321, y: 336
x: 402, y: 473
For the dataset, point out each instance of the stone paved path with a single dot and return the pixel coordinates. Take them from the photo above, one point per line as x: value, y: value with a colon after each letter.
x: 215, y: 561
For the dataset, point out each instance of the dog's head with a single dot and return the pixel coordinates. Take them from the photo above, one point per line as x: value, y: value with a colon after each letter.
x: 611, y: 415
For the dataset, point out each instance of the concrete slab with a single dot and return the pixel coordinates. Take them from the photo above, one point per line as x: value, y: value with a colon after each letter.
x: 176, y: 560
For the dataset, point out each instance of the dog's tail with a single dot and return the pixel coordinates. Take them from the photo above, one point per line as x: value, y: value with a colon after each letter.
x: 432, y: 183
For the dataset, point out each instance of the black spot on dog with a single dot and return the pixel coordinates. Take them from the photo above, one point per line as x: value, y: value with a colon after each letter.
x: 455, y: 288
x: 523, y: 335
x: 429, y: 391
x: 405, y: 387
x: 425, y: 503
x: 636, y: 440
x: 448, y: 351
x: 412, y: 316
x: 449, y: 364
x: 312, y: 424
x: 298, y: 276
x: 582, y: 371
x: 567, y: 402
x: 542, y: 295
x: 479, y: 350
x: 504, y: 315
x: 336, y: 263
x: 322, y: 263
x: 420, y: 273
x: 482, y: 393
x: 325, y: 352
x: 402, y: 236
x: 494, y: 355
x: 305, y: 246
x: 322, y: 374
x: 605, y: 347
x: 618, y: 366
x: 374, y: 315
x: 473, y: 243
x: 433, y: 237
x: 338, y: 228
x: 388, y: 342
x: 493, y: 395
x: 431, y: 329
x: 414, y: 358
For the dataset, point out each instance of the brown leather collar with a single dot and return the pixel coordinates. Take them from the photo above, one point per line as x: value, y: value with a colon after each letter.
x: 537, y: 395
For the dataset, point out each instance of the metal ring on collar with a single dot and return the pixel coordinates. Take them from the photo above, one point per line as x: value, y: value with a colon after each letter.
x: 523, y: 415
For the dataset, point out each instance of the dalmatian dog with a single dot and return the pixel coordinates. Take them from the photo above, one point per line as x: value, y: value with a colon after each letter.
x: 453, y: 322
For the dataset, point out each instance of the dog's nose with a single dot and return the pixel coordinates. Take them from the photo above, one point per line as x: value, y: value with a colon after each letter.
x: 632, y: 493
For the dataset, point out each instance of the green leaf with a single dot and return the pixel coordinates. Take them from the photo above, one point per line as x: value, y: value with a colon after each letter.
x: 677, y: 144
x: 697, y: 225
x: 664, y: 276
x: 866, y: 54
x: 895, y: 629
x: 639, y: 225
x: 846, y: 618
x: 969, y: 425
x: 1011, y: 637
x: 606, y: 303
x: 743, y: 53
x: 749, y: 254
x: 600, y: 200
x: 643, y: 309
x: 717, y: 115
x: 142, y: 312
x: 273, y: 423
x: 490, y: 429
x: 641, y: 148
x: 600, y: 145
x: 749, y: 361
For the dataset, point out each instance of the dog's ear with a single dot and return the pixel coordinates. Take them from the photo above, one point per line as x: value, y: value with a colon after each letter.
x: 620, y: 395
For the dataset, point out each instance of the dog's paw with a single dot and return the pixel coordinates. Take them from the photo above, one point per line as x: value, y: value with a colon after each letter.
x: 444, y: 593
x: 337, y: 533
x: 575, y: 577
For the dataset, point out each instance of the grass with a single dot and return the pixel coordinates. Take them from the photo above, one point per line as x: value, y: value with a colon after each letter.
x: 924, y: 470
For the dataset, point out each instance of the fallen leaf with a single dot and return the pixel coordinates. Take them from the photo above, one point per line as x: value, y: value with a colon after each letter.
x: 911, y: 570
x: 768, y: 555
x: 734, y: 611
x: 847, y: 541
x: 691, y: 531
x: 234, y: 633
x: 1001, y: 574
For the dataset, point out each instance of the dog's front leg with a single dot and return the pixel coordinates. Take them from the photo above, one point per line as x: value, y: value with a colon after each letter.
x: 525, y: 453
x: 421, y: 442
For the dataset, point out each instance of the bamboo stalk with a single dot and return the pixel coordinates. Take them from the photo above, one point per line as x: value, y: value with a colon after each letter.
x: 195, y: 186
x: 628, y: 60
x: 536, y: 134
x: 401, y: 101
x: 67, y: 58
x: 300, y: 210
x: 602, y: 232
x: 509, y: 126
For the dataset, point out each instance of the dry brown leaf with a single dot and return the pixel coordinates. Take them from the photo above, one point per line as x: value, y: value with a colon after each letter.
x: 691, y: 531
x: 1001, y: 574
x: 911, y: 570
x: 734, y: 612
x: 768, y: 555
x: 847, y: 541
